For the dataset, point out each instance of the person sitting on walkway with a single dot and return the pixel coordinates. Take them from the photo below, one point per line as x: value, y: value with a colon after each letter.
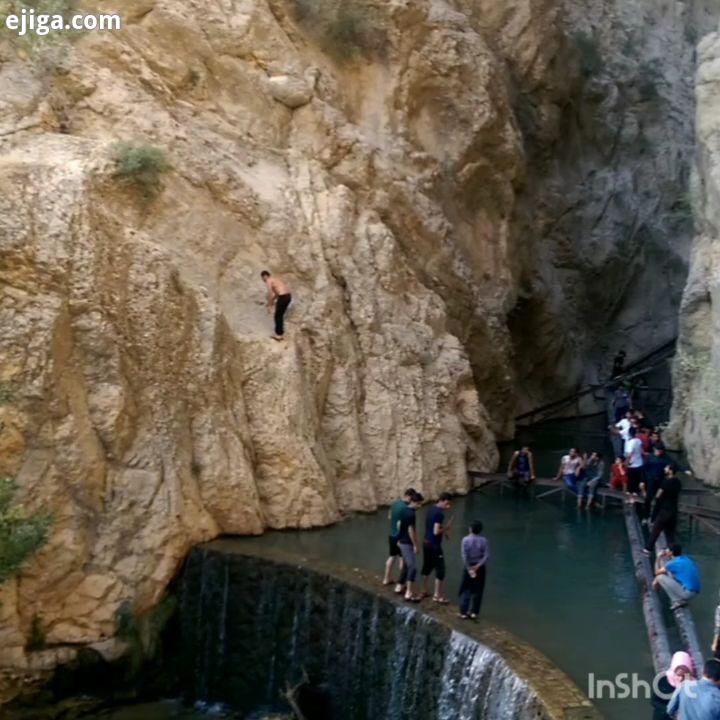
x: 278, y: 296
x: 521, y: 468
x: 664, y: 514
x: 570, y: 468
x: 407, y: 541
x: 698, y: 699
x: 653, y: 475
x: 678, y: 575
x: 394, y: 513
x: 634, y: 459
x: 433, y: 558
x: 681, y: 669
x: 475, y: 554
x: 591, y: 477
x: 715, y: 647
x: 618, y: 475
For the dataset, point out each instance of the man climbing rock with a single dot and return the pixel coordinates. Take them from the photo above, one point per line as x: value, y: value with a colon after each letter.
x: 279, y: 296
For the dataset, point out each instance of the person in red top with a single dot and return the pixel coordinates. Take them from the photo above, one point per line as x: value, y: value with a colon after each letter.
x: 645, y: 440
x: 619, y: 475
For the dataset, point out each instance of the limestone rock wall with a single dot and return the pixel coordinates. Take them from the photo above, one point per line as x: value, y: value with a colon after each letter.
x: 149, y: 408
x: 696, y: 408
x: 609, y: 155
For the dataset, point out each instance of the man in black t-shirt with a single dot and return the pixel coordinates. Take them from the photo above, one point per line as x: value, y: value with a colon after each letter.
x: 665, y: 513
x: 654, y: 476
x: 433, y: 558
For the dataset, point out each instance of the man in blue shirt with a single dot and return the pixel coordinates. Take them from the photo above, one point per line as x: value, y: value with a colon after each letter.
x: 698, y: 699
x: 433, y: 558
x: 394, y: 513
x: 678, y: 575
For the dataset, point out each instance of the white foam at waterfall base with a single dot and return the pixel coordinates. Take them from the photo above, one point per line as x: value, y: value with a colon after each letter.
x: 477, y: 683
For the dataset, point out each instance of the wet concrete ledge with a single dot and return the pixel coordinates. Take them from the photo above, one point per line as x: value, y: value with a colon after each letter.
x: 559, y: 696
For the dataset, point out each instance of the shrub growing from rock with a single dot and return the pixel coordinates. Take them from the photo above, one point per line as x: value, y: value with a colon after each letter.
x: 20, y: 534
x: 343, y: 29
x: 141, y: 166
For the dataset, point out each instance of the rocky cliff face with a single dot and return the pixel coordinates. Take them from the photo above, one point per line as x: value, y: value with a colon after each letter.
x: 149, y: 409
x: 696, y: 408
x: 609, y: 153
x: 442, y: 184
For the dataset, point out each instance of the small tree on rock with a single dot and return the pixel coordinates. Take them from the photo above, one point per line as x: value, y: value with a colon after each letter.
x: 20, y: 534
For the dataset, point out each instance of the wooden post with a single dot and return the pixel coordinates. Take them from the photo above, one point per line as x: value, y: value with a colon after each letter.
x: 652, y: 610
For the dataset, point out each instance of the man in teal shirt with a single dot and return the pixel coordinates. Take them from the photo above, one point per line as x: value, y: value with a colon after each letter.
x: 394, y: 514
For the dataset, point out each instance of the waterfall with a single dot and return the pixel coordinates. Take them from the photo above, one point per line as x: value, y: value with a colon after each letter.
x: 477, y: 683
x: 250, y: 628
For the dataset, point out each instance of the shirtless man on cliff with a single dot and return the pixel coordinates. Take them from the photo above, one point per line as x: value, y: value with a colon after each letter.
x: 280, y: 297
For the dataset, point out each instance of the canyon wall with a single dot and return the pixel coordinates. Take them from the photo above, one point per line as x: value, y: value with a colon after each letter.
x: 145, y: 404
x: 696, y: 407
x: 448, y: 189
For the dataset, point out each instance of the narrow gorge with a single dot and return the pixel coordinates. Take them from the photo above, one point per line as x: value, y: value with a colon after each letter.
x: 476, y: 203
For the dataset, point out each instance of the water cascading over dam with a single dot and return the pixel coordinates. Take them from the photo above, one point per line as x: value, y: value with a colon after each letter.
x: 252, y: 628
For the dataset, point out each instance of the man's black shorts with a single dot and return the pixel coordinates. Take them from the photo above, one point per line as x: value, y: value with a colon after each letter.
x: 433, y: 559
x: 393, y: 545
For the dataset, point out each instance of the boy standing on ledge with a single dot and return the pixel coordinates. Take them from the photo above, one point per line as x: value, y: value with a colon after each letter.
x: 433, y: 558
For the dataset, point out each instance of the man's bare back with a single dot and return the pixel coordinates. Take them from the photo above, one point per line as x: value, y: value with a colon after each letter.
x: 277, y: 287
x: 279, y: 298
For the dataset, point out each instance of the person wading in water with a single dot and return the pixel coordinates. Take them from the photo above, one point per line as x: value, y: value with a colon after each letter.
x: 279, y: 296
x: 521, y: 468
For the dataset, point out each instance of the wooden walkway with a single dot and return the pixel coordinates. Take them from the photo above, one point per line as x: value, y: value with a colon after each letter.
x: 652, y: 608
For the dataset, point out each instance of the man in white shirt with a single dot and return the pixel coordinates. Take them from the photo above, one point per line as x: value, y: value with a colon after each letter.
x: 619, y: 434
x: 624, y: 426
x: 634, y: 460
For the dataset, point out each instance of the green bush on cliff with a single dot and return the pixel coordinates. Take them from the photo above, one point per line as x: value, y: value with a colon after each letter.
x: 141, y: 166
x: 342, y: 28
x: 20, y: 534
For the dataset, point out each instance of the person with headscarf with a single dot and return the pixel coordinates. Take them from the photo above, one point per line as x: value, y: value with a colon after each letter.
x: 681, y: 669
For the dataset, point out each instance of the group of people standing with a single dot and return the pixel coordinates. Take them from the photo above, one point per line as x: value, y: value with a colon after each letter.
x: 643, y: 470
x: 404, y: 546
